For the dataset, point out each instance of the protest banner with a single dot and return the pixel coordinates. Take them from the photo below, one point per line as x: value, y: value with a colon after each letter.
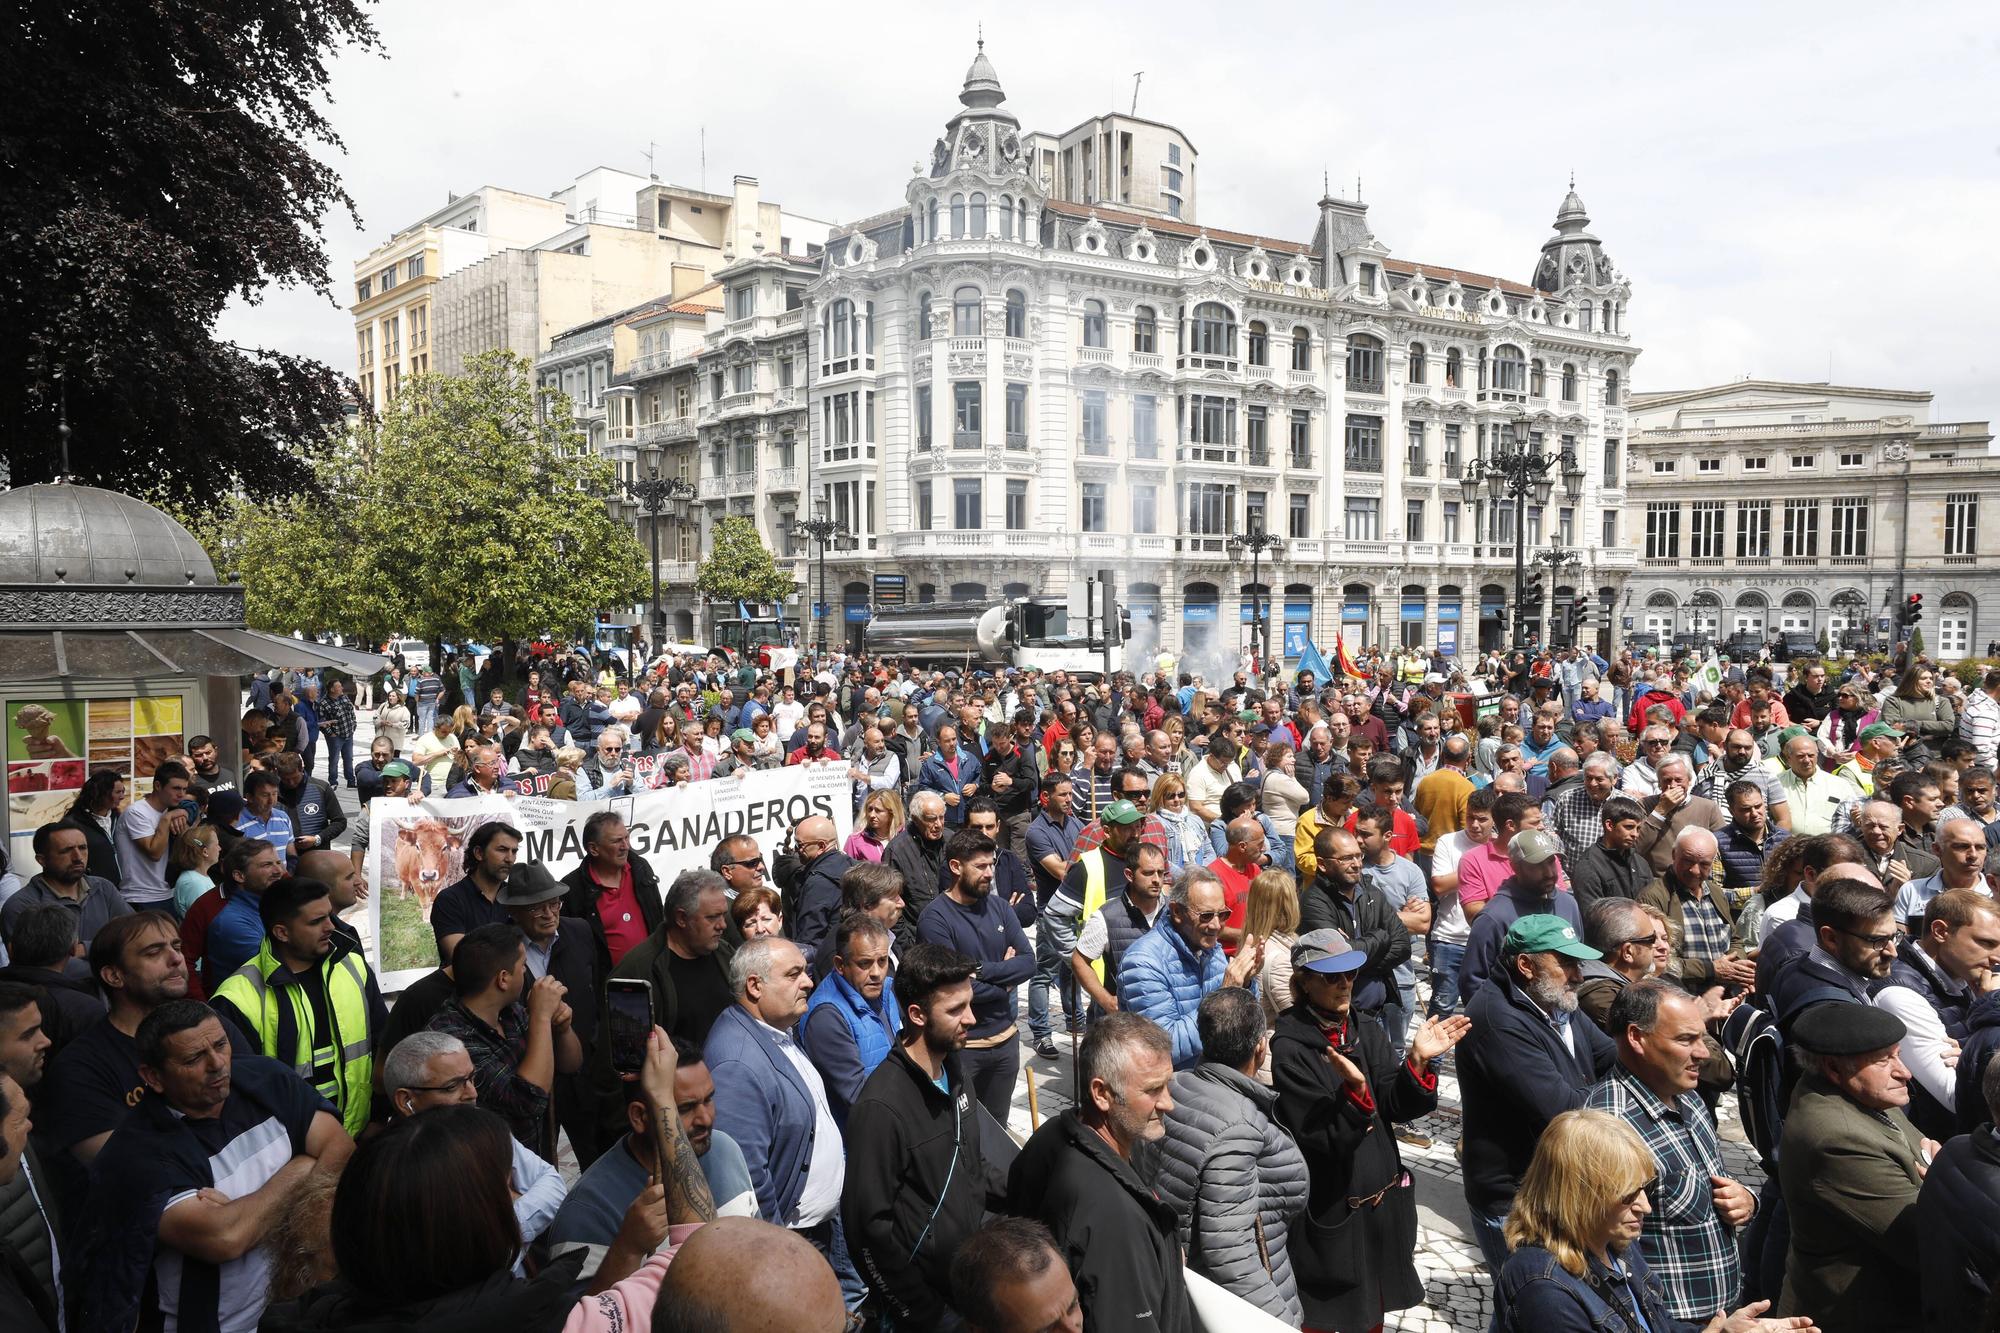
x: 417, y: 848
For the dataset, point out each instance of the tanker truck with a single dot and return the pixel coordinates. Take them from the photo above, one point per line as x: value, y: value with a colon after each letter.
x: 1024, y: 632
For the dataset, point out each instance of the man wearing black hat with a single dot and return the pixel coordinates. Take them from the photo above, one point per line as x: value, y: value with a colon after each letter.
x: 1851, y: 1165
x: 561, y: 947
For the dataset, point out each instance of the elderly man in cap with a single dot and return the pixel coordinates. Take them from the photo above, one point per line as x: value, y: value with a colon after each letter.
x: 1877, y: 742
x: 561, y: 947
x: 396, y: 777
x: 1526, y: 1060
x: 1340, y: 1091
x: 1533, y: 888
x: 741, y: 759
x: 1851, y: 1165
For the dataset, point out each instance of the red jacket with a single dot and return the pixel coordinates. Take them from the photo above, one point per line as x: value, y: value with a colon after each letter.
x: 1637, y: 721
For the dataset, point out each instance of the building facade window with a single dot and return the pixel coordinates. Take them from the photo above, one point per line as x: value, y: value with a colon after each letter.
x: 1301, y: 440
x: 1804, y: 462
x: 1453, y: 436
x: 1708, y: 465
x: 1211, y: 428
x: 1961, y: 523
x: 1454, y: 369
x: 1145, y: 509
x: 1849, y: 527
x: 1258, y: 344
x: 1093, y: 324
x: 1364, y: 518
x: 1610, y: 381
x: 1145, y: 426
x: 1096, y: 437
x: 923, y: 411
x: 1145, y: 330
x: 1298, y: 516
x: 1211, y: 508
x: 1212, y: 331
x: 1419, y: 365
x: 1093, y: 516
x: 1364, y: 444
x: 1569, y: 383
x: 1610, y: 529
x: 1416, y: 462
x: 1448, y: 521
x: 1017, y: 416
x: 1257, y: 435
x: 1538, y: 379
x: 966, y: 424
x: 1753, y: 529
x: 1364, y: 364
x: 1413, y: 520
x: 1510, y: 370
x: 1801, y: 530
x: 1302, y: 348
x: 1017, y: 314
x: 1017, y: 505
x: 967, y: 505
x: 1663, y: 531
x: 965, y: 313
x: 924, y: 514
x: 1705, y: 520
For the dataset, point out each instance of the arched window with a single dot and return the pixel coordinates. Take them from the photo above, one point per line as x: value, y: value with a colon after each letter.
x: 1006, y: 218
x: 1538, y: 378
x: 1093, y: 324
x: 1420, y: 368
x: 968, y: 592
x: 931, y: 232
x: 1569, y: 382
x: 1510, y: 369
x: 1454, y: 369
x: 1604, y: 314
x: 1021, y: 209
x: 1145, y: 330
x: 1213, y: 330
x: 1302, y: 348
x: 923, y: 316
x: 1017, y: 314
x: 1259, y: 344
x: 841, y: 326
x: 978, y: 215
x: 926, y: 592
x: 957, y: 216
x: 965, y: 313
x: 1364, y: 363
x: 1610, y: 388
x: 1016, y: 590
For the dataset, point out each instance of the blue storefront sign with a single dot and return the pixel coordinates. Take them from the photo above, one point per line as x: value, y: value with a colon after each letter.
x: 858, y: 615
x: 1295, y: 638
x: 1202, y: 612
x: 1448, y: 640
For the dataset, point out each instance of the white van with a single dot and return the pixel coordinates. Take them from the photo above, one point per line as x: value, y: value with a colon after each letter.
x: 415, y: 652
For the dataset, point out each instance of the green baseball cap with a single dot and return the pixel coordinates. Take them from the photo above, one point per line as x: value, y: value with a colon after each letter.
x: 1122, y: 812
x: 1248, y: 715
x: 1879, y: 730
x: 744, y: 735
x: 1546, y: 933
x: 399, y: 768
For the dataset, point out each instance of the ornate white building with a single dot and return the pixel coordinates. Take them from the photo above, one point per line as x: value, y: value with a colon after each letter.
x: 1011, y: 391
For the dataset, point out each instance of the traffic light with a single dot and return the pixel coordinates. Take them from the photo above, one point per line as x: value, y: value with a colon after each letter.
x: 1913, y: 609
x: 1531, y: 591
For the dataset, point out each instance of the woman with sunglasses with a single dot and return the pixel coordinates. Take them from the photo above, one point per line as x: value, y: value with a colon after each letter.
x: 1188, y: 842
x: 1853, y: 712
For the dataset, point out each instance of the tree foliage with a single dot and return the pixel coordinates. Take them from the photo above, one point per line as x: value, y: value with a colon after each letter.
x: 464, y: 513
x: 160, y: 161
x: 739, y: 567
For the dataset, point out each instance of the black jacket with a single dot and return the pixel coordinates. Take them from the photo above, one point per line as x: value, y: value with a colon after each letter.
x: 916, y: 1186
x: 1350, y: 1264
x: 1020, y: 796
x: 1602, y: 873
x: 71, y: 1004
x: 1958, y: 1213
x: 1370, y: 925
x: 1514, y: 1076
x: 1119, y: 1240
x: 103, y: 850
x: 922, y: 864
x: 819, y: 900
x: 581, y: 901
x: 1982, y: 1039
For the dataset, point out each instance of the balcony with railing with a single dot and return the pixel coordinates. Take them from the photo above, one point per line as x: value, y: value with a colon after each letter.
x: 1019, y: 347
x: 665, y: 432
x: 1148, y: 361
x: 1257, y: 372
x: 1371, y: 384
x: 1093, y: 356
x: 975, y: 346
x: 1146, y: 450
x: 1257, y: 455
x: 975, y: 542
x: 967, y: 439
x: 1093, y: 445
x: 1364, y: 460
x: 780, y: 479
x: 1017, y: 439
x: 1200, y: 451
x: 1301, y: 378
x: 1300, y: 460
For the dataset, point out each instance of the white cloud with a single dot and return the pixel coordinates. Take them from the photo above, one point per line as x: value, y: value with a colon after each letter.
x: 1777, y: 181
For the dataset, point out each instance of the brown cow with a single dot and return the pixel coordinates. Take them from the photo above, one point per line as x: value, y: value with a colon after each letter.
x: 427, y: 859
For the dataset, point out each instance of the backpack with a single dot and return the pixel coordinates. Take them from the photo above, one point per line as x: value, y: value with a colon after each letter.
x: 1758, y: 1048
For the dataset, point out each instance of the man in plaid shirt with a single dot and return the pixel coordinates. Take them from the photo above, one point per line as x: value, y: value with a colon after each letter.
x: 1576, y: 815
x: 1689, y: 1238
x: 1128, y: 784
x: 336, y: 723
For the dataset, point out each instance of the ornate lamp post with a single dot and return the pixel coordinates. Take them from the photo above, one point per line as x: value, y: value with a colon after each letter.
x: 824, y: 530
x: 1256, y: 542
x: 1558, y: 559
x: 1513, y: 472
x: 655, y: 494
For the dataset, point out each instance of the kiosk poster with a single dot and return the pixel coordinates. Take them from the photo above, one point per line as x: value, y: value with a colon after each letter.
x: 54, y: 744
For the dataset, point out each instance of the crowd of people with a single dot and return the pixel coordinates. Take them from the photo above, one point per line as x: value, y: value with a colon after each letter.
x: 1265, y: 917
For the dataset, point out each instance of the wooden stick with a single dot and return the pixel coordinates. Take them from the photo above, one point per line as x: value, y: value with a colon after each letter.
x: 1034, y: 1106
x: 1077, y: 1089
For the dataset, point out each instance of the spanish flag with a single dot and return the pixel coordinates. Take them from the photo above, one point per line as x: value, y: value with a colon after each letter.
x: 1342, y: 661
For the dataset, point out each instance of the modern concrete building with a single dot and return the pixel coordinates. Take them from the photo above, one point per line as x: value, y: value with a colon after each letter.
x: 1767, y: 506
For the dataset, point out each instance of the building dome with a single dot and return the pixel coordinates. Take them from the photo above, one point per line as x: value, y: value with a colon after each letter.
x: 982, y: 84
x: 1572, y: 209
x: 61, y: 534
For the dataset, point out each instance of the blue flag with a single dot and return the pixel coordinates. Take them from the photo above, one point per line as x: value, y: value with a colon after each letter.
x: 1310, y: 660
x: 742, y: 611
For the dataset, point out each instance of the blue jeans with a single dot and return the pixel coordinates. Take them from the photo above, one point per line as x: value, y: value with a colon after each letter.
x: 1444, y: 961
x: 1396, y: 1017
x: 339, y: 752
x: 830, y: 1239
x: 1053, y: 944
x: 1488, y: 1230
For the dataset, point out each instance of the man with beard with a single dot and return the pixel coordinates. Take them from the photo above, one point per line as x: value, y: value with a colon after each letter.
x: 1079, y: 1177
x: 1340, y: 898
x: 560, y: 946
x: 969, y: 917
x: 1854, y: 945
x: 1341, y: 1090
x: 473, y: 901
x: 916, y: 1169
x: 1533, y: 889
x: 1012, y: 780
x: 1525, y: 1061
x: 852, y: 1020
x: 65, y: 881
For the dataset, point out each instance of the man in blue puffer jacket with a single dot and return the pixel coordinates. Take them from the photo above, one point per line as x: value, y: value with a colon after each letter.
x: 1180, y: 960
x: 851, y: 1020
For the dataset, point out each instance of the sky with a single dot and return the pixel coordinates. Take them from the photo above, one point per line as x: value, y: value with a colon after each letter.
x: 1794, y: 191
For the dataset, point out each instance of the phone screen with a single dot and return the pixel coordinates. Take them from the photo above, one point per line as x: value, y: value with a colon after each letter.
x: 631, y: 1006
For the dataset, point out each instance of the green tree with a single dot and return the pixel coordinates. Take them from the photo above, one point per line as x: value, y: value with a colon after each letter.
x: 739, y: 567
x: 1824, y: 646
x: 468, y: 511
x: 162, y: 159
x: 1916, y: 644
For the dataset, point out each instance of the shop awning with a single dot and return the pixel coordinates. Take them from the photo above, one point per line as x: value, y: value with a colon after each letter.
x: 112, y: 654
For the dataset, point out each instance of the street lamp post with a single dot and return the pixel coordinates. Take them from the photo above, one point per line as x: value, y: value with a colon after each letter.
x: 824, y: 530
x: 654, y: 494
x: 1257, y: 541
x: 1513, y: 472
x: 1558, y: 559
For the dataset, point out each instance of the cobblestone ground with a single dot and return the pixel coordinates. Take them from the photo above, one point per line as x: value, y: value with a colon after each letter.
x: 1458, y: 1294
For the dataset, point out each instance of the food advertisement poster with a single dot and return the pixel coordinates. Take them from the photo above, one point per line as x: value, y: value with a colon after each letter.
x: 54, y: 744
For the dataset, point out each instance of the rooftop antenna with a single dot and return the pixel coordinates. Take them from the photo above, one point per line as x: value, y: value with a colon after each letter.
x: 62, y: 428
x: 1357, y: 189
x: 704, y: 158
x: 1572, y: 178
x: 1135, y: 90
x: 981, y: 27
x: 651, y: 147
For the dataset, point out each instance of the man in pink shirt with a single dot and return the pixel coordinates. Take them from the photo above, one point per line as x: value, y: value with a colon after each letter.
x: 1485, y: 868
